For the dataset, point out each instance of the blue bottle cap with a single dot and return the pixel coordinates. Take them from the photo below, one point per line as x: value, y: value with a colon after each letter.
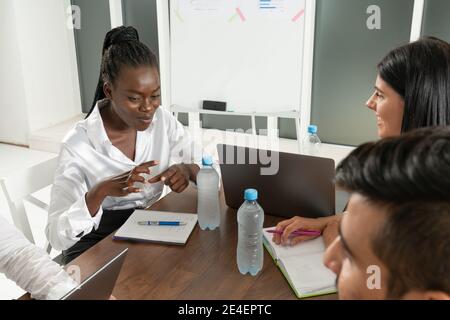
x: 312, y: 129
x: 207, y: 161
x: 251, y: 195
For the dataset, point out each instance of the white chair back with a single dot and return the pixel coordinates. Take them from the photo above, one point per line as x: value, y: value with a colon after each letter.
x: 19, y: 186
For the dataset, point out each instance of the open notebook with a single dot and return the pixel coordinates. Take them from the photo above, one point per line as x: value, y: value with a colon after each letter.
x: 302, y: 265
x: 131, y: 230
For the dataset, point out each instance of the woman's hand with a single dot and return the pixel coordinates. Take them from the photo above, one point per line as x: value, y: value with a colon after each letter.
x: 296, y: 223
x: 117, y: 186
x: 177, y: 177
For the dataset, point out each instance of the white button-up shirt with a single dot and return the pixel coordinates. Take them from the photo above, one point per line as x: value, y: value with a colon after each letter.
x: 87, y: 157
x: 31, y: 267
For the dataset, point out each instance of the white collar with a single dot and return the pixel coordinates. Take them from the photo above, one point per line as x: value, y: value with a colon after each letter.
x: 96, y: 130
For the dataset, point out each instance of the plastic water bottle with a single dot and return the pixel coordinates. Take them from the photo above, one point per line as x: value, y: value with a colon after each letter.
x: 208, y: 196
x: 250, y: 219
x: 311, y: 144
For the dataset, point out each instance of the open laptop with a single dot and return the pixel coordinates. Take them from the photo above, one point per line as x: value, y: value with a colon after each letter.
x: 99, y: 286
x: 290, y: 185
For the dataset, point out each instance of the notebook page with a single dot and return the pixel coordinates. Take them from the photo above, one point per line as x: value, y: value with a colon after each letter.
x: 313, y: 246
x: 170, y: 234
x: 308, y: 273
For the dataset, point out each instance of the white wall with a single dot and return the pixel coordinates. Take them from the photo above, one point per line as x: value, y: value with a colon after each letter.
x: 13, y: 124
x: 40, y: 86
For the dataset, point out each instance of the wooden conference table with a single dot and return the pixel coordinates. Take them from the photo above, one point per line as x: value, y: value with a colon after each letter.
x: 205, y: 268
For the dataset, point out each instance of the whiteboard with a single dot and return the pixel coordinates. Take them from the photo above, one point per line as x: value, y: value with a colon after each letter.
x: 248, y: 53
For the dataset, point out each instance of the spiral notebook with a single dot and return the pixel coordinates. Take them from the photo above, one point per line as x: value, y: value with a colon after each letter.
x: 302, y: 266
x: 132, y: 231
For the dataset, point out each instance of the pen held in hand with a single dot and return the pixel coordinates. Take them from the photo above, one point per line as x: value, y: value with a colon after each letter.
x: 162, y: 223
x: 297, y: 233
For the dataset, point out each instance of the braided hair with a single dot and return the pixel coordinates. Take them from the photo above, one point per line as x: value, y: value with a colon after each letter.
x: 121, y: 48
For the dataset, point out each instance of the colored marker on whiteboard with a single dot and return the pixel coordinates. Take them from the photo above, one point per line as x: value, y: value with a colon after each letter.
x: 298, y: 15
x: 241, y: 15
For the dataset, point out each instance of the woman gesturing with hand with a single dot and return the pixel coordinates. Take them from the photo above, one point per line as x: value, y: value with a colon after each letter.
x: 118, y: 186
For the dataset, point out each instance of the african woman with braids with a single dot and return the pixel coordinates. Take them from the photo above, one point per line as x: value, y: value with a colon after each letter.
x: 118, y: 158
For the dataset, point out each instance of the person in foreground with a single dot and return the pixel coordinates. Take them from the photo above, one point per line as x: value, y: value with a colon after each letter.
x: 394, y: 240
x: 412, y: 91
x: 30, y: 267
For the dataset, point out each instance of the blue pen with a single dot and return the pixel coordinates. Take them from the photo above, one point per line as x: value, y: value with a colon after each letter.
x: 161, y: 223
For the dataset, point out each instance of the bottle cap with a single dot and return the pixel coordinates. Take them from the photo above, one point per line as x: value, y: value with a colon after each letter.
x: 312, y: 129
x: 251, y: 195
x: 207, y: 161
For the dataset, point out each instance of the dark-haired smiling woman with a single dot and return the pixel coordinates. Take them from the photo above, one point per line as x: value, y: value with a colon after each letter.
x: 108, y: 157
x: 412, y: 91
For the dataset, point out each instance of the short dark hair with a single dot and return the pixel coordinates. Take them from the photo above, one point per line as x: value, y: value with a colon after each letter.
x: 420, y: 73
x: 409, y: 176
x: 121, y: 48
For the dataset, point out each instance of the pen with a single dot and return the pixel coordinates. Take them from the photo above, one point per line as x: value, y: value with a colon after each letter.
x: 297, y: 233
x: 161, y: 223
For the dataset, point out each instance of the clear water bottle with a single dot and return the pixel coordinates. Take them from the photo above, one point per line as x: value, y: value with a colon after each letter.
x: 250, y: 219
x: 311, y: 144
x: 208, y: 209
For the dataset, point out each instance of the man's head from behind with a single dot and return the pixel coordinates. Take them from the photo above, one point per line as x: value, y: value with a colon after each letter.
x: 394, y: 241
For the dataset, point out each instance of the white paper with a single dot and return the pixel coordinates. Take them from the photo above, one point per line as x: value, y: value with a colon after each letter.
x: 308, y: 273
x: 168, y: 234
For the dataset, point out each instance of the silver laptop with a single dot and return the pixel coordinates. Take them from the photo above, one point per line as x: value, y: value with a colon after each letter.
x: 99, y: 286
